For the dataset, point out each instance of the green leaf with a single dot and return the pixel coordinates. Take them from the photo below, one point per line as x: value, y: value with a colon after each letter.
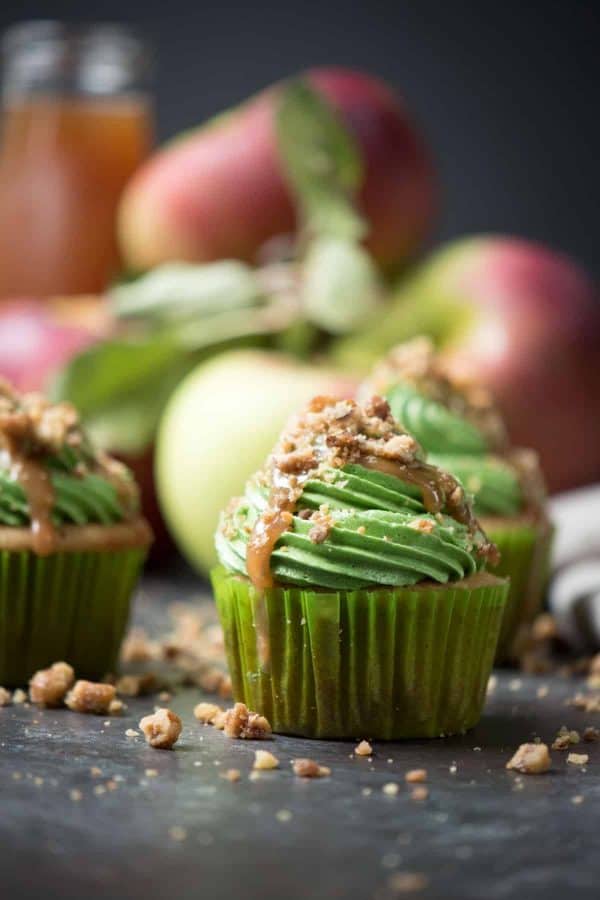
x: 322, y: 162
x: 179, y: 291
x: 124, y: 382
x: 341, y: 288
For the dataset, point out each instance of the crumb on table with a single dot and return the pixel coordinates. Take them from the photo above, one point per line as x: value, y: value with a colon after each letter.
x: 90, y: 697
x: 207, y: 713
x: 48, y: 687
x: 308, y: 768
x: 263, y: 760
x: 416, y: 776
x: 578, y: 759
x: 531, y: 759
x: 5, y: 697
x: 363, y: 749
x: 240, y: 722
x: 161, y: 729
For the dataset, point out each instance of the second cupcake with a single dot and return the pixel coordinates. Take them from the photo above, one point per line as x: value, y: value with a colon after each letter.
x: 458, y: 424
x: 352, y: 587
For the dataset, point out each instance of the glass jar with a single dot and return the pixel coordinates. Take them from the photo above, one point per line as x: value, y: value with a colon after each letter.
x: 76, y: 122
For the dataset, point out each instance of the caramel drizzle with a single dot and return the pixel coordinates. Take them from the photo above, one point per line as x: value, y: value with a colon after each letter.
x: 35, y: 480
x: 437, y: 489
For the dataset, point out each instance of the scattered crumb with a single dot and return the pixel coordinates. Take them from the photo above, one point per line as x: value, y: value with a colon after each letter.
x: 111, y: 785
x: 161, y: 729
x: 5, y: 697
x: 363, y: 749
x: 151, y: 773
x: 515, y: 684
x: 99, y: 789
x: 542, y: 691
x: 48, y: 687
x: 591, y: 734
x: 264, y: 760
x: 414, y: 776
x: 586, y: 702
x: 578, y: 759
x: 453, y: 769
x: 90, y: 697
x: 137, y: 647
x: 492, y: 684
x: 407, y: 882
x: 577, y: 799
x: 131, y: 732
x: 240, y: 722
x: 177, y: 833
x: 19, y: 696
x: 207, y: 713
x: 308, y: 768
x: 419, y: 793
x: 565, y: 739
x: 95, y: 772
x: 283, y: 815
x: 391, y: 789
x: 367, y: 791
x: 232, y: 775
x: 75, y: 795
x: 531, y: 759
x: 116, y: 707
x: 165, y: 696
x: 138, y: 685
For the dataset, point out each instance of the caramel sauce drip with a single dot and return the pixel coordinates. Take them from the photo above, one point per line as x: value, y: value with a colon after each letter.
x: 265, y: 534
x: 35, y: 480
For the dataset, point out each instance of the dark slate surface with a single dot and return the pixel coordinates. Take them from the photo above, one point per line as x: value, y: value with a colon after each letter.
x: 187, y: 832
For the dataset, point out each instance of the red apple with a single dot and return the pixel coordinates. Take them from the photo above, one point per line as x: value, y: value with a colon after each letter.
x: 37, y: 339
x: 219, y: 192
x: 526, y: 320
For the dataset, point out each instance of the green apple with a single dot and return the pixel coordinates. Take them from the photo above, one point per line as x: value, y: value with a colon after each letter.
x: 218, y: 428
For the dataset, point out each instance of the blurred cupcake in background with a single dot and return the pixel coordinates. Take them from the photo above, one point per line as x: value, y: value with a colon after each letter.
x: 460, y: 428
x: 352, y: 587
x: 72, y: 542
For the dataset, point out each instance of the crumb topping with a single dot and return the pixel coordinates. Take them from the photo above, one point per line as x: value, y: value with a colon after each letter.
x: 419, y: 364
x: 329, y: 434
x: 33, y: 430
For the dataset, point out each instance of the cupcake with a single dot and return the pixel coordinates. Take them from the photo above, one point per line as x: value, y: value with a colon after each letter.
x: 72, y: 542
x: 352, y: 587
x: 460, y: 428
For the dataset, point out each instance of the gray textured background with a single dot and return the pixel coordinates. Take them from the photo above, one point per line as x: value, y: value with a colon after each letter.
x: 506, y: 93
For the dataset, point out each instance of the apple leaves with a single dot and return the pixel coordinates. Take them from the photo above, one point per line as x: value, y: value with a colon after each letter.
x: 322, y: 163
x: 340, y: 284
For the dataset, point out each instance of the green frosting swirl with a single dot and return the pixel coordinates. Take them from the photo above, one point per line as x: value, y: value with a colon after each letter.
x: 436, y: 428
x: 380, y: 534
x: 458, y: 446
x: 83, y: 499
x: 491, y: 481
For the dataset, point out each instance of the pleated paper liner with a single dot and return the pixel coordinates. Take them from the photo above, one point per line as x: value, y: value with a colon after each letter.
x: 383, y: 663
x: 70, y: 605
x: 524, y: 547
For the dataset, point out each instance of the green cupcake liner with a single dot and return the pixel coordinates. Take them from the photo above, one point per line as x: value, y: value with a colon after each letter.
x: 525, y: 559
x: 70, y: 606
x: 384, y: 663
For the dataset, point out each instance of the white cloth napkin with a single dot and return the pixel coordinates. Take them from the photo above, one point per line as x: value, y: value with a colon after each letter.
x: 574, y: 592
